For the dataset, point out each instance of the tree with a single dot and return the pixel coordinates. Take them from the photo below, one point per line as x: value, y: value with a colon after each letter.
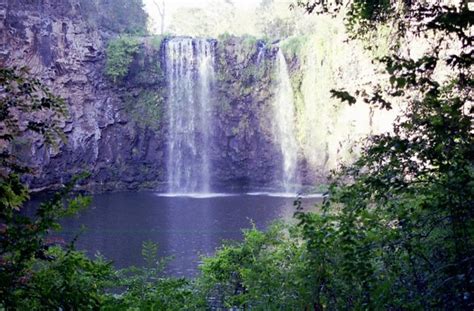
x: 162, y: 11
x: 217, y: 17
x: 37, y: 270
x: 27, y: 107
x: 26, y: 254
x: 402, y: 216
x: 122, y: 16
x: 275, y: 21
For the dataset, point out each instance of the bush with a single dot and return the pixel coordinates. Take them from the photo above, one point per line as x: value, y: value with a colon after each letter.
x: 120, y: 53
x: 68, y: 280
x: 396, y: 230
x: 267, y: 271
x: 145, y: 288
x: 292, y: 46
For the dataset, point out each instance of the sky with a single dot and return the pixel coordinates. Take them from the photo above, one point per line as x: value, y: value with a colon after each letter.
x: 173, y: 5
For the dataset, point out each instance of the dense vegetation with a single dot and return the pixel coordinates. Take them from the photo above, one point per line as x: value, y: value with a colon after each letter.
x: 271, y: 20
x: 396, y: 230
x: 126, y: 18
x: 120, y: 53
x: 119, y: 16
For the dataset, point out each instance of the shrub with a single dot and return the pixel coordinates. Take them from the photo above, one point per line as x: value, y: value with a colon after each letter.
x: 266, y: 271
x: 120, y: 53
x: 145, y: 288
x: 292, y: 46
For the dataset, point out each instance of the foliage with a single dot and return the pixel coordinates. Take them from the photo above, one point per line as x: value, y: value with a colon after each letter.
x: 264, y: 272
x: 120, y: 16
x: 120, y: 53
x: 404, y: 220
x: 275, y: 21
x: 402, y: 215
x: 37, y: 272
x: 26, y: 257
x: 344, y: 96
x: 359, y: 10
x: 293, y: 45
x: 216, y: 17
x: 67, y: 280
x: 146, y: 289
x: 363, y: 14
x: 27, y: 106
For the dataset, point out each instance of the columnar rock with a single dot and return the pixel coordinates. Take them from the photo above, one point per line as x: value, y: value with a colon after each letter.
x: 191, y: 115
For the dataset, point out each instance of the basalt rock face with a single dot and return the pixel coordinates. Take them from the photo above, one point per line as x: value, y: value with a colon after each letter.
x: 112, y: 131
x: 68, y: 54
x: 120, y: 131
x: 245, y: 156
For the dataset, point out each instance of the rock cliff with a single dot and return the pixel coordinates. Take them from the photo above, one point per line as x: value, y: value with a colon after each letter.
x: 117, y: 130
x: 67, y: 52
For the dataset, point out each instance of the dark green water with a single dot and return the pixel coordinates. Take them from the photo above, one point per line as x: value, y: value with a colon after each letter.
x: 184, y: 227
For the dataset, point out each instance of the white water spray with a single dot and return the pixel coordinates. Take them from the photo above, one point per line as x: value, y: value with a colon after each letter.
x: 190, y: 74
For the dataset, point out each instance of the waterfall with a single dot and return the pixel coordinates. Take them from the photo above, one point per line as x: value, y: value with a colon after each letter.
x: 284, y: 126
x: 261, y: 53
x: 190, y: 75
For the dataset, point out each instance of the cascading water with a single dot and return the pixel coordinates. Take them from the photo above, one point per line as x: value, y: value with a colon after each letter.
x: 190, y: 75
x: 261, y: 53
x: 284, y: 126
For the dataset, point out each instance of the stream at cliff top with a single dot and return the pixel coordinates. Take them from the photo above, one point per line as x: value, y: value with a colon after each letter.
x: 184, y: 227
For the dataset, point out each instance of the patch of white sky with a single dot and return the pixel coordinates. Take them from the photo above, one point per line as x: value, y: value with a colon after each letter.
x: 174, y: 5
